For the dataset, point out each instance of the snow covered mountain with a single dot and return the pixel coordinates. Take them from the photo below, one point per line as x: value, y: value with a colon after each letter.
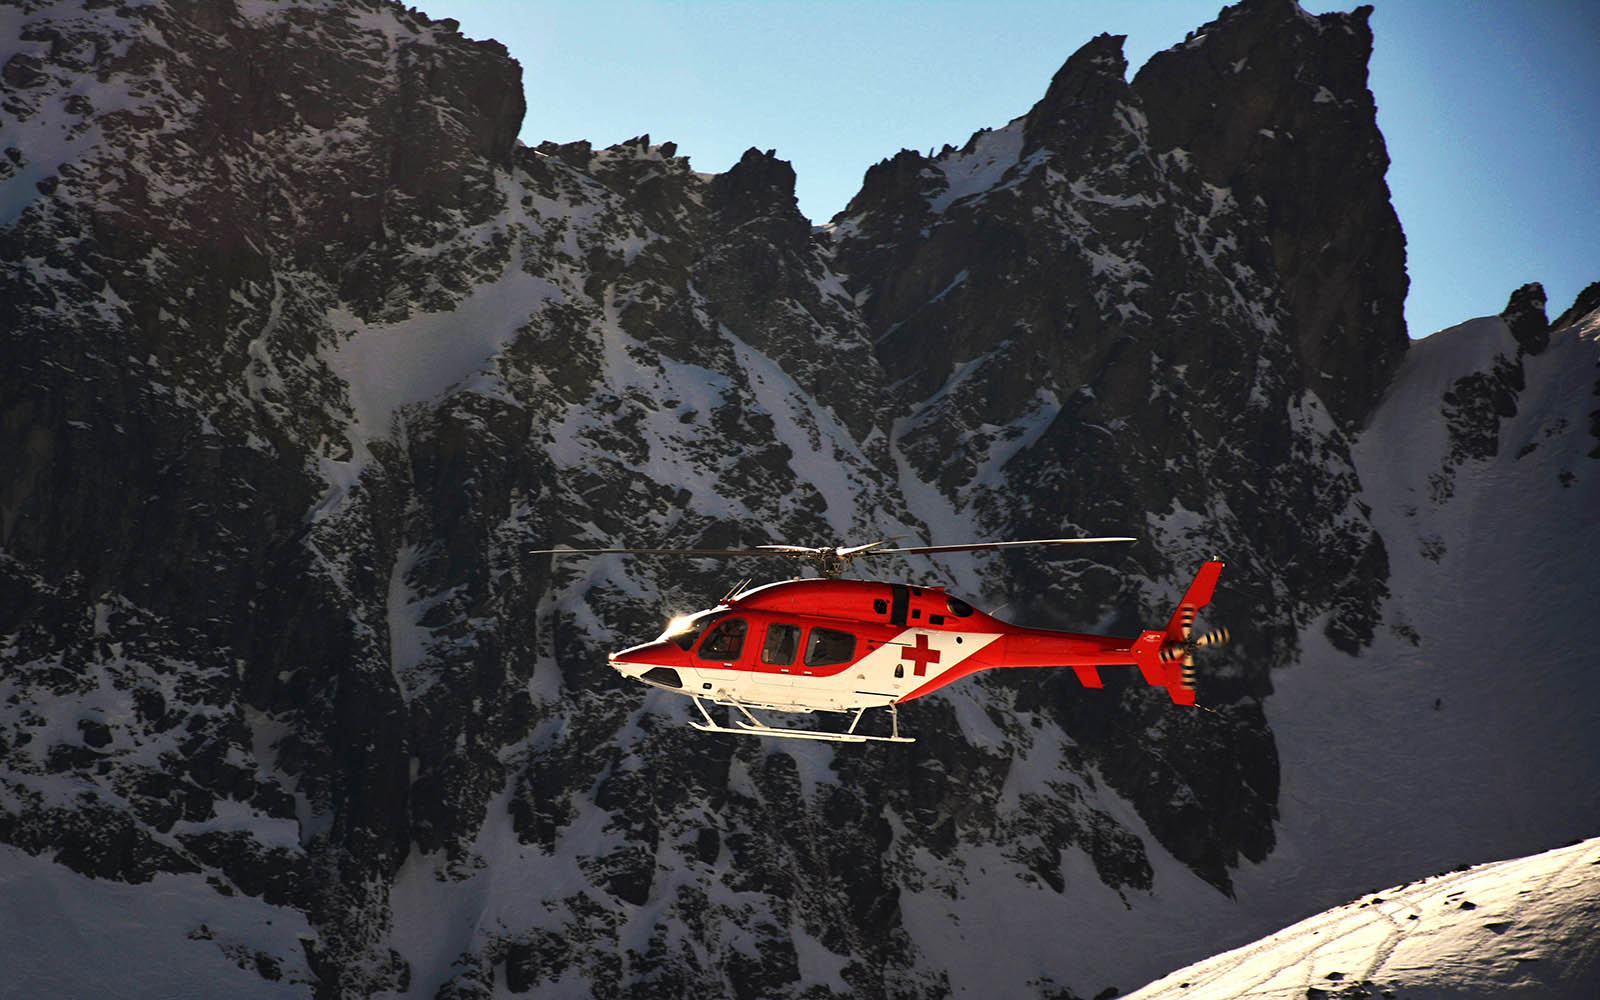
x: 1523, y: 927
x: 304, y: 352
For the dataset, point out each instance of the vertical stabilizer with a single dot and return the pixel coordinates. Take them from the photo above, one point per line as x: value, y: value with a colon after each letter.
x: 1166, y: 658
x: 1196, y: 597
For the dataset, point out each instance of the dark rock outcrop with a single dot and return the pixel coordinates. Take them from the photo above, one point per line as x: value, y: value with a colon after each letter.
x: 1272, y: 103
x: 1524, y: 314
x: 1587, y: 302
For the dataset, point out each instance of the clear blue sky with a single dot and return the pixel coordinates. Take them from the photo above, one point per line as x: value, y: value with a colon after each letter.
x: 1491, y: 108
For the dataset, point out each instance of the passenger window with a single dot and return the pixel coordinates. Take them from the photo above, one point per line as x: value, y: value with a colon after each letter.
x: 783, y: 641
x: 828, y: 646
x: 724, y: 641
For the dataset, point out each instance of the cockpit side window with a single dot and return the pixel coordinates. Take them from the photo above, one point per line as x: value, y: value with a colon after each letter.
x: 783, y: 641
x: 724, y: 641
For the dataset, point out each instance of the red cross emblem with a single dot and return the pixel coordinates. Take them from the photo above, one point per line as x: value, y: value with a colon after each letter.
x: 922, y: 654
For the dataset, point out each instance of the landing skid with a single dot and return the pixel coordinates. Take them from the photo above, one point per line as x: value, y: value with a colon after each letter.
x: 752, y: 726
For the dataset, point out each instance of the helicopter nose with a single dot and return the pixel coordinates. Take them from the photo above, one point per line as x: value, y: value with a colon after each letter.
x: 626, y: 663
x: 636, y: 660
x: 646, y: 663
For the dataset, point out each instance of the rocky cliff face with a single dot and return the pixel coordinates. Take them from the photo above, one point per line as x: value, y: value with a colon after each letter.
x: 1087, y: 319
x: 1272, y: 103
x: 305, y: 353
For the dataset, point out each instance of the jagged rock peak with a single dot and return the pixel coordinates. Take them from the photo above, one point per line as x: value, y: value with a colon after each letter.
x: 1098, y: 58
x: 1084, y: 90
x: 758, y: 185
x: 631, y: 154
x: 574, y: 154
x: 760, y: 174
x: 903, y: 178
x: 1285, y: 61
x: 1587, y: 302
x: 1278, y: 11
x: 1272, y: 103
x: 1524, y: 314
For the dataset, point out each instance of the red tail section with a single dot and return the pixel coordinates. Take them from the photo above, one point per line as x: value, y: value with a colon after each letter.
x: 1159, y: 654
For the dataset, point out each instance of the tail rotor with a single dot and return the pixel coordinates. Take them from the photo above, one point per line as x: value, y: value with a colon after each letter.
x: 1185, y: 648
x: 1166, y: 657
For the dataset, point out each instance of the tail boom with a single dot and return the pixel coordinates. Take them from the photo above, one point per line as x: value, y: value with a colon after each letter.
x: 1161, y: 655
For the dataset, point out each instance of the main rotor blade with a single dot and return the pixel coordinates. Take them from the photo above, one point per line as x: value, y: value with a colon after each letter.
x: 821, y: 555
x: 710, y: 553
x: 976, y: 546
x: 851, y: 551
x: 843, y: 551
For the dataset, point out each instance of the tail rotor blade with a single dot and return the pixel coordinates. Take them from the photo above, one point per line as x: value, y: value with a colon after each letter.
x: 1186, y: 649
x: 1216, y: 637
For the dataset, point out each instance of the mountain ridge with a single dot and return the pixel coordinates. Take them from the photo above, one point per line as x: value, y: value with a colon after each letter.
x: 299, y: 378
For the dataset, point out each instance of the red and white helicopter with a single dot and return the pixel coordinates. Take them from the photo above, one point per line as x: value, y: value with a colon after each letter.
x: 839, y: 645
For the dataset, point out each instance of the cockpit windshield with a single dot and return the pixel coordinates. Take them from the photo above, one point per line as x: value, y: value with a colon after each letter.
x: 683, y: 630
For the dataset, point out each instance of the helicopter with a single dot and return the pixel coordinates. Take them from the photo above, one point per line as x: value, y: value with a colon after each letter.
x: 844, y: 645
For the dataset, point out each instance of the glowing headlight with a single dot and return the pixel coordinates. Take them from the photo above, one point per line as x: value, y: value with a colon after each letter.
x: 677, y: 625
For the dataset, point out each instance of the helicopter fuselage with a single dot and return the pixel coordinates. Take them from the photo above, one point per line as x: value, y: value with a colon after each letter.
x: 847, y: 645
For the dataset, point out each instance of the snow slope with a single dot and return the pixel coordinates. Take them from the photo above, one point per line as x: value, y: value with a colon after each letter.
x: 1525, y: 927
x: 1492, y: 584
x: 1462, y: 734
x: 68, y: 935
